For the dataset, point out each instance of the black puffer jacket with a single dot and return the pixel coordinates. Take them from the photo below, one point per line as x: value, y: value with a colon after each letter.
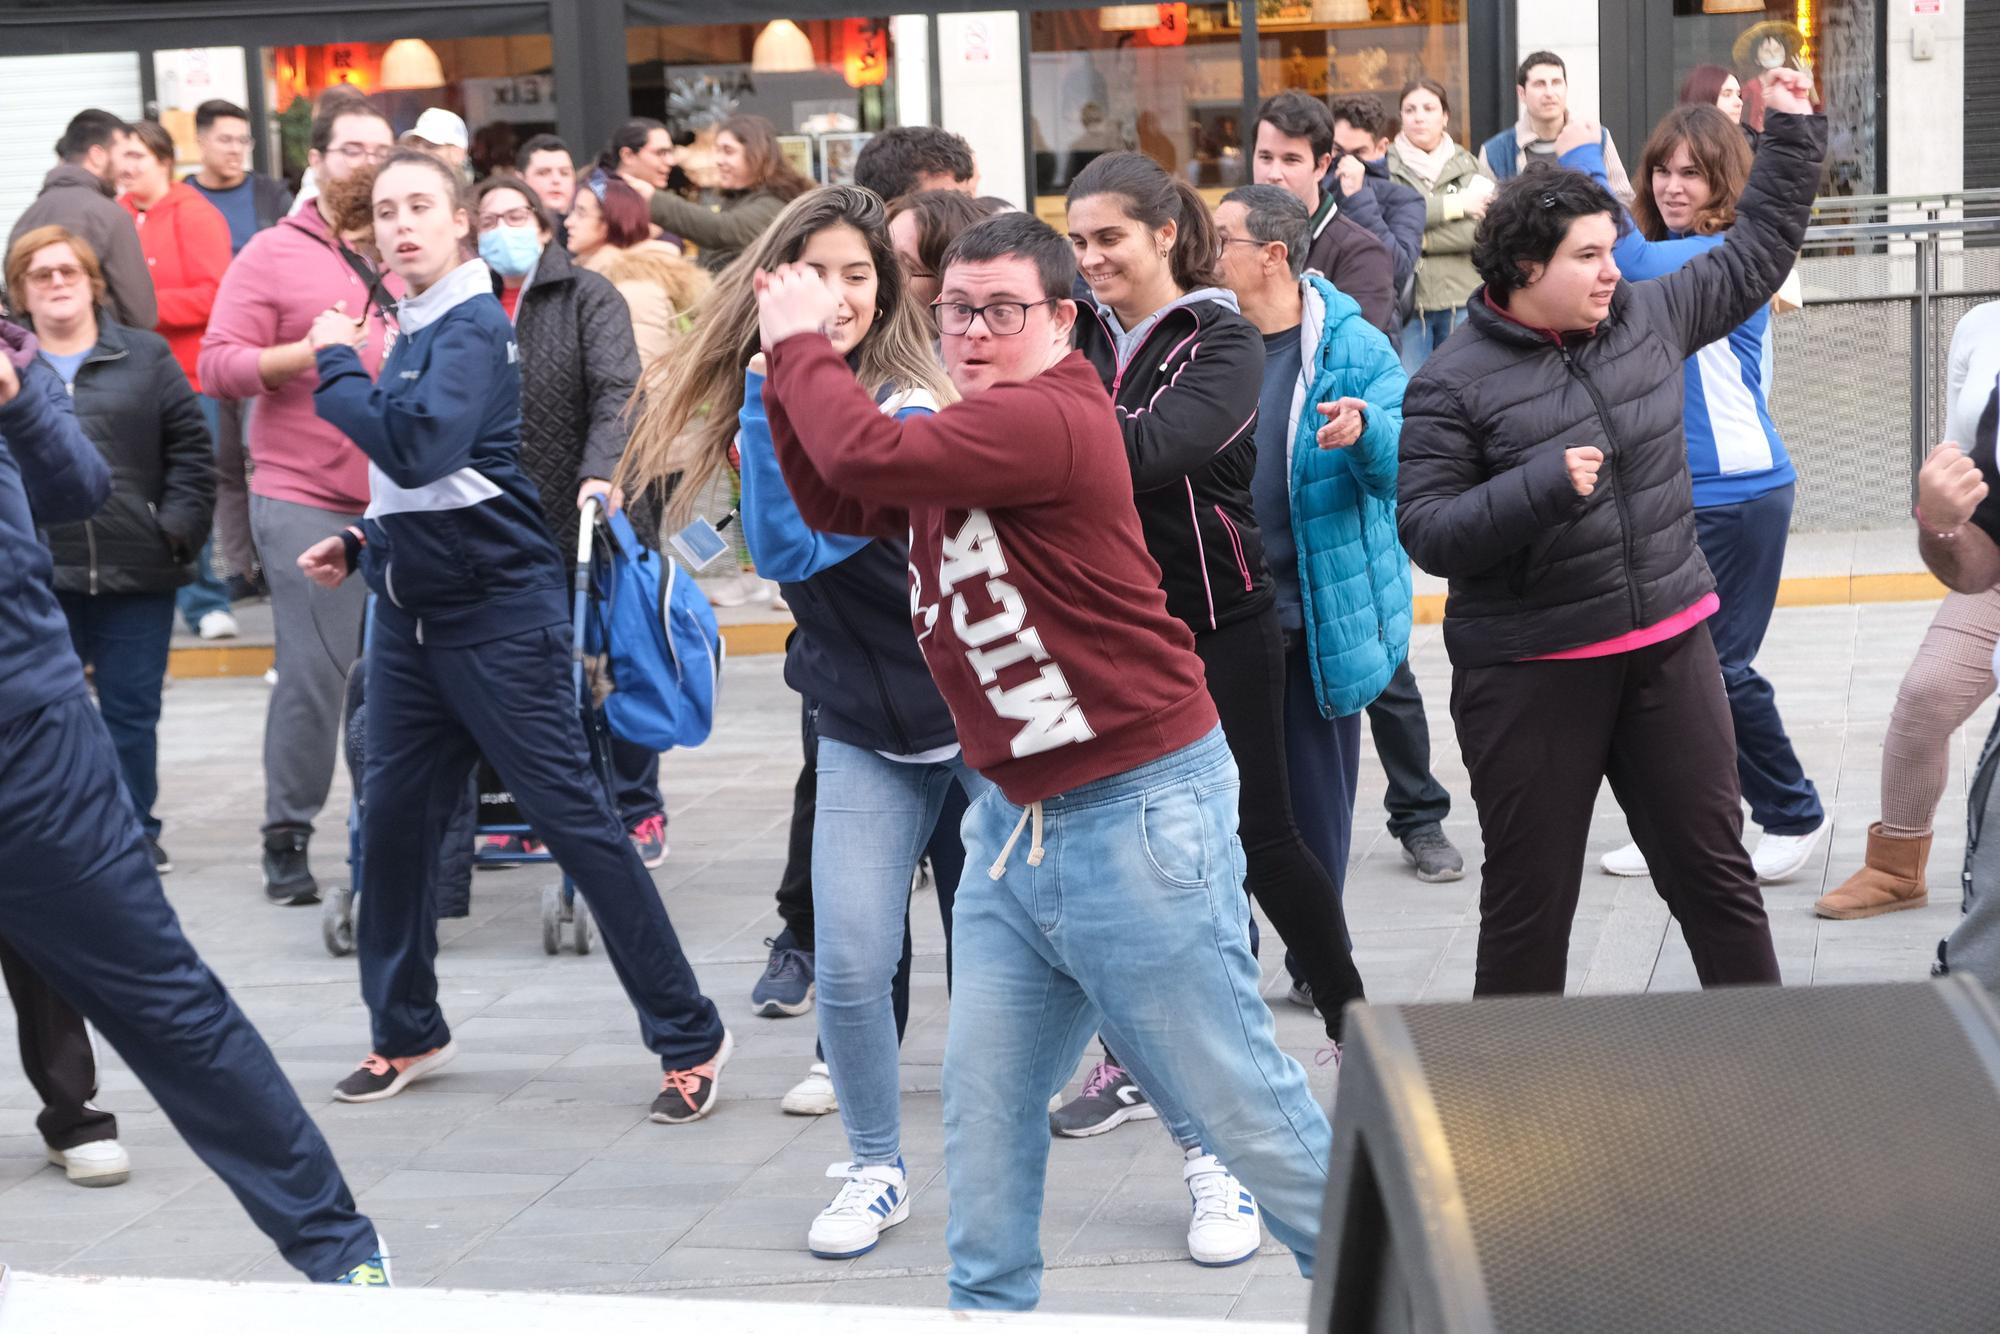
x: 134, y: 403
x: 1484, y: 496
x: 579, y: 366
x: 1186, y: 398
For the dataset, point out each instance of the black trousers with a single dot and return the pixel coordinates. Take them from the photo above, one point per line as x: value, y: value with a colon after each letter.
x: 56, y: 1057
x: 1402, y: 735
x: 1540, y: 737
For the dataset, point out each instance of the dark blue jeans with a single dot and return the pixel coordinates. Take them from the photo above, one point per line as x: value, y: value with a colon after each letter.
x: 123, y: 638
x: 1744, y: 545
x: 206, y: 593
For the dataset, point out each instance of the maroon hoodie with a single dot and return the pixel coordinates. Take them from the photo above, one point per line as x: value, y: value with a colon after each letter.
x: 1036, y: 604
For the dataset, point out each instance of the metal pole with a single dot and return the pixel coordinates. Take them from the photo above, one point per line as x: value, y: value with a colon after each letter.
x: 1920, y: 374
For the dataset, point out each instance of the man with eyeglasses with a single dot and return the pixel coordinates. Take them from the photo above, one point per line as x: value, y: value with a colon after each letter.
x: 250, y: 202
x: 1113, y: 893
x: 309, y: 481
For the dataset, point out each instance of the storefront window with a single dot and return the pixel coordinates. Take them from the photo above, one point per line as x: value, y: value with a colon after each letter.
x: 184, y: 79
x: 826, y: 84
x: 501, y: 86
x: 1832, y: 39
x: 1336, y: 48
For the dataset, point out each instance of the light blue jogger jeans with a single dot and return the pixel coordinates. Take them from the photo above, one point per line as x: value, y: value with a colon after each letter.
x: 1136, y: 920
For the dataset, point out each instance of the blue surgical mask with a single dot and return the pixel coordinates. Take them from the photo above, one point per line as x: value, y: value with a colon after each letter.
x: 511, y: 251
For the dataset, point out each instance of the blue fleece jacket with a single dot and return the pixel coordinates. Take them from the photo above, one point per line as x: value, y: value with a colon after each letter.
x: 456, y: 542
x: 1734, y: 450
x: 49, y: 473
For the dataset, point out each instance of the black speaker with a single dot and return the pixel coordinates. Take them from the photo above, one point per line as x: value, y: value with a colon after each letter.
x: 1754, y: 1159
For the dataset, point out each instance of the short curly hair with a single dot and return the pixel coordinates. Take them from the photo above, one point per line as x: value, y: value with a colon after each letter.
x: 1528, y: 219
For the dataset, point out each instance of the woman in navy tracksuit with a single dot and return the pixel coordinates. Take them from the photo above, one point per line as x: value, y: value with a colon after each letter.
x: 471, y: 653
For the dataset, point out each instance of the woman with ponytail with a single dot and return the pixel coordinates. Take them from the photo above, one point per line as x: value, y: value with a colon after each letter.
x: 1185, y: 371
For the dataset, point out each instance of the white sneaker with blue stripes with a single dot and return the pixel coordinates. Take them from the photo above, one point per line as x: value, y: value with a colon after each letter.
x: 1226, y: 1228
x: 875, y: 1197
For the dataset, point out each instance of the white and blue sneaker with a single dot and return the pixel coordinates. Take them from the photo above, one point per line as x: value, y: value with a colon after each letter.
x: 1226, y: 1228
x: 875, y: 1197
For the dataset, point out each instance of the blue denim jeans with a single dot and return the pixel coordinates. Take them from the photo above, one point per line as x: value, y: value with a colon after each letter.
x: 1426, y: 332
x: 206, y: 593
x: 123, y: 638
x: 1136, y: 920
x: 874, y: 820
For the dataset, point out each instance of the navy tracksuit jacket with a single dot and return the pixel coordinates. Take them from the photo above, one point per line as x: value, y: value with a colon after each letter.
x: 470, y: 656
x: 80, y: 901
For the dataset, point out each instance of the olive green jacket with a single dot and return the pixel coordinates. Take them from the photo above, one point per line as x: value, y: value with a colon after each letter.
x: 1445, y: 276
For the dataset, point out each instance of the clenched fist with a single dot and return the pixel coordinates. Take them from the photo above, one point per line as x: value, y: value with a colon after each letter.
x: 1583, y: 461
x: 1352, y: 173
x: 1949, y: 488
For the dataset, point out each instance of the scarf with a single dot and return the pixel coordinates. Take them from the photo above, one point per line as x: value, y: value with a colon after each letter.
x: 1426, y: 167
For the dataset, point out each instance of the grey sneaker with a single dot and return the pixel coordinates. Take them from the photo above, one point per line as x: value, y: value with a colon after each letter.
x: 1436, y: 860
x: 1109, y: 1099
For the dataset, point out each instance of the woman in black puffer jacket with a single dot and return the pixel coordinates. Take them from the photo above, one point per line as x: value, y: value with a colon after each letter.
x: 116, y: 572
x: 1544, y: 473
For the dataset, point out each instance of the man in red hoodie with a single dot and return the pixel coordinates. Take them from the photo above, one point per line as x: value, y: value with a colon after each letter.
x: 1040, y: 615
x: 309, y: 483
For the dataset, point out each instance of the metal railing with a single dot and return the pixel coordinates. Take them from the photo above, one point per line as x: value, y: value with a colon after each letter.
x: 1859, y: 374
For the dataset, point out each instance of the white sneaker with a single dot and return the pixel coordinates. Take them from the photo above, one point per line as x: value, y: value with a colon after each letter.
x: 1226, y: 1228
x: 1780, y: 856
x: 727, y: 591
x: 813, y: 1095
x: 217, y: 624
x: 874, y: 1198
x: 271, y: 676
x: 102, y: 1162
x: 1625, y: 861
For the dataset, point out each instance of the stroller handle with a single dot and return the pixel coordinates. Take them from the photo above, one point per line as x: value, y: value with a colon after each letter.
x: 592, y: 510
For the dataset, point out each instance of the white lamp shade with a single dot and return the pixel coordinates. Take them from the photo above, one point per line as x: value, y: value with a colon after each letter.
x: 782, y: 48
x: 410, y: 63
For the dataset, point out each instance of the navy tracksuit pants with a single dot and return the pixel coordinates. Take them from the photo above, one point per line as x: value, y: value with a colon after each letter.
x: 81, y: 904
x: 433, y: 710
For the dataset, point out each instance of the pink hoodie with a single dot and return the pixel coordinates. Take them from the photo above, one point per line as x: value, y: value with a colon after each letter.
x: 271, y: 294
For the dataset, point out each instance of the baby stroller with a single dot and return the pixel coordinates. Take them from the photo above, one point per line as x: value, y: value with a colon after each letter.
x: 490, y: 811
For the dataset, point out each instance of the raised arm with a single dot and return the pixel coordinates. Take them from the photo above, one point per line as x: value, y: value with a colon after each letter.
x: 784, y: 546
x: 729, y: 229
x: 240, y: 354
x: 419, y: 432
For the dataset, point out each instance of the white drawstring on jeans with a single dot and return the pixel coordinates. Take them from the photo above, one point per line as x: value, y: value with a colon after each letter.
x: 1033, y: 811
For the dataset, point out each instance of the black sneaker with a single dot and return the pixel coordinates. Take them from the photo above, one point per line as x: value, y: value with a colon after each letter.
x: 1109, y: 1099
x: 688, y: 1095
x: 378, y: 1077
x: 288, y: 877
x: 1436, y: 860
x: 786, y: 988
x: 162, y: 863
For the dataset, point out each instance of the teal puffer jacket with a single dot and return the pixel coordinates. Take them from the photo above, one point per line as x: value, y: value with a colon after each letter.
x: 1354, y: 579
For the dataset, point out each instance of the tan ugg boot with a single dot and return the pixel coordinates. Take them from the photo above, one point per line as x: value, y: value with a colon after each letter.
x: 1891, y: 878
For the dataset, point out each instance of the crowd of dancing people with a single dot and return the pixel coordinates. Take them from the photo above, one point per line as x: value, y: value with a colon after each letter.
x: 1098, y: 542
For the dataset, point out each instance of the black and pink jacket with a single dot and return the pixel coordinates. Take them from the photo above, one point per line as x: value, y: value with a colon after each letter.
x: 1185, y: 384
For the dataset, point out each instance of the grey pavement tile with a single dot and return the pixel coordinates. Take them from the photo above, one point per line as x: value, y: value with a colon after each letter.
x: 691, y: 1263
x: 501, y: 1275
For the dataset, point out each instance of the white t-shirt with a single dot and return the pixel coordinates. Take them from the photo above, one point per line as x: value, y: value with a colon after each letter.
x: 1972, y: 369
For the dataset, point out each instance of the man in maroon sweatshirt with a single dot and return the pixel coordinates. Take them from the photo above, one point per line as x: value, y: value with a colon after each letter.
x: 1041, y: 617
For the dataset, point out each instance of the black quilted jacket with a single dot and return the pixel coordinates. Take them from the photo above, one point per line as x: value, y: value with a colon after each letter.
x: 1484, y: 497
x: 578, y: 370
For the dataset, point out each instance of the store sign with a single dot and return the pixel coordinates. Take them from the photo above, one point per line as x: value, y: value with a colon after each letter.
x: 865, y: 63
x: 978, y: 48
x: 526, y: 97
x: 1927, y: 8
x: 1171, y: 29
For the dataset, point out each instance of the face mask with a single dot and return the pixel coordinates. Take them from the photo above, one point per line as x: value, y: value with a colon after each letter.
x: 511, y: 251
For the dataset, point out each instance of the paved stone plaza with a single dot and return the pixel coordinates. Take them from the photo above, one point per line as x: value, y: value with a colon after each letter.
x: 530, y: 1163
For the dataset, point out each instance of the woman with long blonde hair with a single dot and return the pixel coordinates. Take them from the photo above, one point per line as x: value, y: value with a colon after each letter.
x: 887, y: 753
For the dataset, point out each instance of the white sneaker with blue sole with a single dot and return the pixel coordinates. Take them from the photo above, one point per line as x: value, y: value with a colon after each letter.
x: 875, y: 1198
x: 1227, y: 1227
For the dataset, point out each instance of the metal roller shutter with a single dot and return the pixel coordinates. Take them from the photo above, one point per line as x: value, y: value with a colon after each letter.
x: 38, y: 95
x: 1982, y: 96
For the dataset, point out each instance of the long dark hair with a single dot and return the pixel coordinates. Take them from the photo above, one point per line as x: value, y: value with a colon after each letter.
x: 1719, y: 153
x: 1155, y: 198
x: 631, y: 137
x: 768, y: 169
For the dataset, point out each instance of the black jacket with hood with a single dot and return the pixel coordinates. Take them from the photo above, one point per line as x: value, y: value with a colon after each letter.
x: 1185, y: 385
x: 1484, y: 497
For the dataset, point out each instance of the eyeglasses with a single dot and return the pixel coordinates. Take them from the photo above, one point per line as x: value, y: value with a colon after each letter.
x: 1222, y: 243
x: 229, y: 140
x: 67, y: 274
x: 1002, y: 317
x: 513, y: 217
x: 356, y: 152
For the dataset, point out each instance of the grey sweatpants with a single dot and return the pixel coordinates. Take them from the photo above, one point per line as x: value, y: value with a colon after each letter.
x: 1973, y: 947
x: 319, y: 637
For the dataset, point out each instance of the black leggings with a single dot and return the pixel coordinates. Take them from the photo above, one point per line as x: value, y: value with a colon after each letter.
x: 1246, y: 678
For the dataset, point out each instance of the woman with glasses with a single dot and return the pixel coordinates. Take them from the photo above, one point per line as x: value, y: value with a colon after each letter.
x: 1185, y: 371
x: 579, y: 368
x: 890, y: 778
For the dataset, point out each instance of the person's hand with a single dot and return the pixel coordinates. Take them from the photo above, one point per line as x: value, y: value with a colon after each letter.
x: 325, y: 562
x: 609, y: 496
x: 1788, y: 90
x: 1474, y: 202
x: 1583, y: 461
x: 758, y: 366
x: 1345, y: 418
x: 793, y: 299
x: 1949, y: 488
x: 1352, y: 173
x: 10, y: 383
x: 1576, y: 134
x: 336, y: 328
x: 645, y: 187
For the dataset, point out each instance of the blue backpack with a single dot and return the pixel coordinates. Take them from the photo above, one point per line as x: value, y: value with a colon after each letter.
x: 664, y: 651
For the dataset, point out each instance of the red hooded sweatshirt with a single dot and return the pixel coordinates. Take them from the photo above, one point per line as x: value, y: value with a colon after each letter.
x: 186, y: 243
x: 1036, y: 604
